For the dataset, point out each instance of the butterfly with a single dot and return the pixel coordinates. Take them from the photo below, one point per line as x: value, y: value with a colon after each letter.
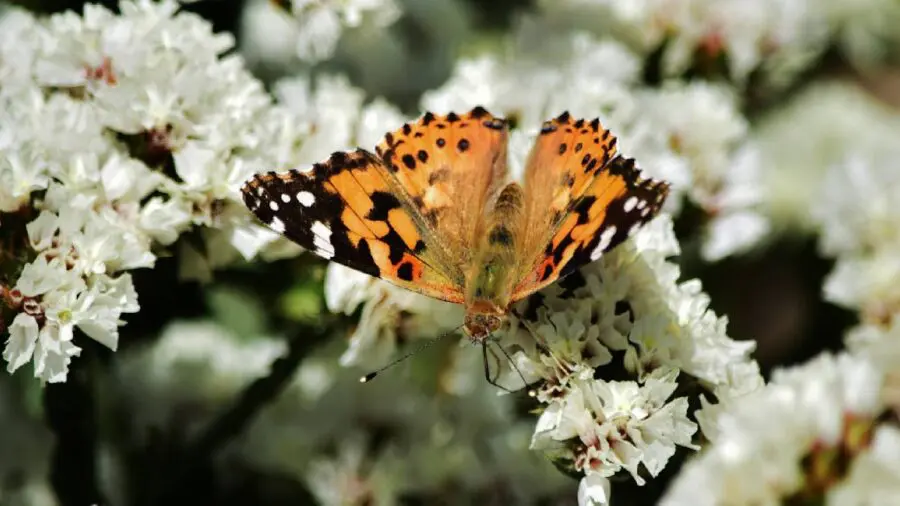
x: 432, y: 211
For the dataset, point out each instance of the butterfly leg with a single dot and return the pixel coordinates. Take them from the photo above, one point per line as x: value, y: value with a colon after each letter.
x: 487, y: 367
x: 487, y: 373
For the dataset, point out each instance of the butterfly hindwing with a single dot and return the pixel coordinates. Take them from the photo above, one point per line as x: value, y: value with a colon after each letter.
x: 583, y: 200
x: 346, y: 210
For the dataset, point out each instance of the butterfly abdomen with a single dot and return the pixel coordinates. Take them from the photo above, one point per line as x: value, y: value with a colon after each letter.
x: 490, y: 283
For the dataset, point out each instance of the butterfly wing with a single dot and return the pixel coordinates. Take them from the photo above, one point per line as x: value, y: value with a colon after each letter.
x: 449, y: 167
x: 582, y: 200
x: 346, y: 210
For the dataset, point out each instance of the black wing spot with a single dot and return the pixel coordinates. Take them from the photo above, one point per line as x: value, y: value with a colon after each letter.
x: 409, y: 161
x: 382, y: 203
x: 462, y: 145
x: 422, y: 155
x: 440, y: 142
x: 548, y: 271
x: 405, y: 271
x: 478, y: 112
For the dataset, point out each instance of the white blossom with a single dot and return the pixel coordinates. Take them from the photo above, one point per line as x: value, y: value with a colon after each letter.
x: 816, y: 406
x: 320, y: 24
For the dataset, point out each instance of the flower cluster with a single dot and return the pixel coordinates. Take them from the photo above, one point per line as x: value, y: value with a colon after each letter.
x: 860, y: 224
x: 315, y: 26
x: 632, y: 315
x: 775, y: 38
x: 821, y: 432
x: 121, y: 133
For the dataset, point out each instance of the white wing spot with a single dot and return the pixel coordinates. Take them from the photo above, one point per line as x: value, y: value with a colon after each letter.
x: 631, y: 203
x: 273, y: 205
x: 322, y: 240
x: 645, y: 211
x: 642, y: 204
x: 285, y: 198
x: 277, y: 225
x: 605, y: 239
x: 634, y: 228
x: 256, y: 204
x: 305, y: 198
x: 260, y: 191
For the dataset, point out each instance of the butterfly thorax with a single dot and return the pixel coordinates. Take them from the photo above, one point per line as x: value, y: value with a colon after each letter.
x: 490, y: 283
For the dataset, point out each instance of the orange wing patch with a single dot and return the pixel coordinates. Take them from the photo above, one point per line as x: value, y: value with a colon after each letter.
x: 345, y: 210
x: 449, y: 166
x: 567, y: 155
x: 600, y: 213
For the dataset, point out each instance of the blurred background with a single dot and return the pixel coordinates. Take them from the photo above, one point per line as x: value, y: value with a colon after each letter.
x: 240, y: 387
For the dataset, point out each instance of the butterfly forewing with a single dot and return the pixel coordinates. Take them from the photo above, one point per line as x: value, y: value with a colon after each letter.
x: 449, y: 166
x: 345, y: 210
x: 583, y: 200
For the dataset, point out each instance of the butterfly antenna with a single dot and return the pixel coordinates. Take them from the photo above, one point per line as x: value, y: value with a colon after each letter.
x: 369, y: 377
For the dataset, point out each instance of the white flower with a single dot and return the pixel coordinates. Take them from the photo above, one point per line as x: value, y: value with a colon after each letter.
x: 857, y: 208
x: 778, y: 37
x: 631, y: 300
x: 351, y: 476
x: 750, y: 463
x: 388, y: 312
x: 63, y: 301
x: 620, y: 425
x: 812, y: 135
x: 321, y: 22
x: 874, y: 477
x: 593, y: 490
x: 23, y: 335
x: 859, y: 224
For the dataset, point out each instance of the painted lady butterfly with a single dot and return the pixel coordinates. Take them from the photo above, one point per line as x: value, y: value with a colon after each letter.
x: 432, y: 211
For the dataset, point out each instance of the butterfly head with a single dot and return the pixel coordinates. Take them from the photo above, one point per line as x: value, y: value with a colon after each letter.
x: 482, y: 320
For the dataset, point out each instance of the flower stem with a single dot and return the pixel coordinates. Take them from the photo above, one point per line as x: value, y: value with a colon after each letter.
x: 70, y: 411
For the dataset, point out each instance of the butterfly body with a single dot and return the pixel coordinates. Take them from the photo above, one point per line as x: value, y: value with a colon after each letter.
x: 432, y: 211
x: 492, y: 278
